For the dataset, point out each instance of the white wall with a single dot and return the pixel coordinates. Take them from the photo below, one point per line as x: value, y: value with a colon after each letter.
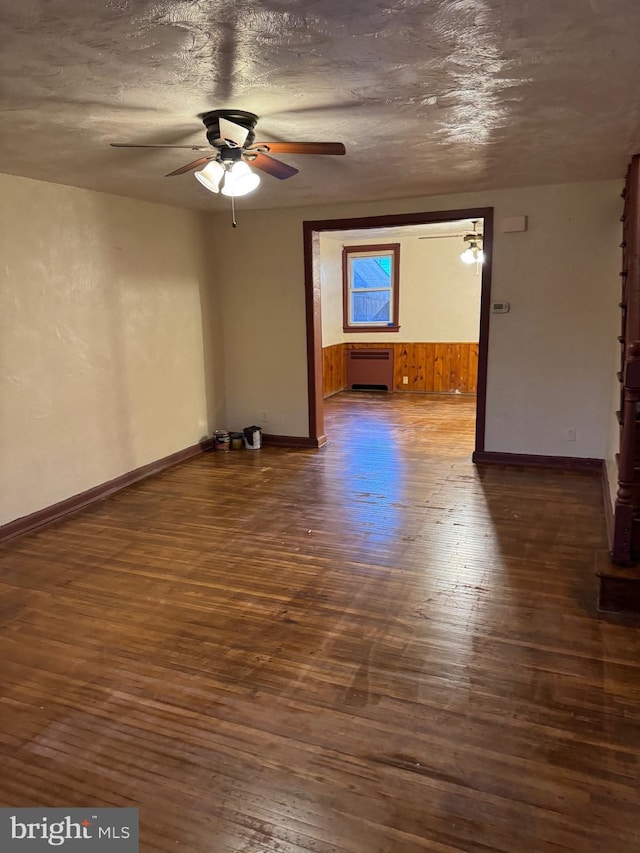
x: 106, y: 318
x: 439, y: 295
x: 550, y: 359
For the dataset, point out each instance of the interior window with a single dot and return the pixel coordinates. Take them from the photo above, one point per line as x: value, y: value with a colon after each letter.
x: 370, y: 287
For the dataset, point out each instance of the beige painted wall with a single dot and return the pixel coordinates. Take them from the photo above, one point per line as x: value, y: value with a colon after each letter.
x: 439, y: 295
x: 550, y: 358
x: 261, y: 288
x: 106, y: 320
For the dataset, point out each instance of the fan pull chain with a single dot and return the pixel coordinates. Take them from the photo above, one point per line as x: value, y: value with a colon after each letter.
x: 233, y: 212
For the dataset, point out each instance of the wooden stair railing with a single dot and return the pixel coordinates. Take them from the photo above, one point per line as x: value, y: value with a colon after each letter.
x: 629, y: 374
x: 619, y: 570
x: 624, y: 508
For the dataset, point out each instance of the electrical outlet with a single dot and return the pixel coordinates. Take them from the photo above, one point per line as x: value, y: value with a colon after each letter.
x: 264, y: 418
x: 571, y: 434
x: 405, y: 380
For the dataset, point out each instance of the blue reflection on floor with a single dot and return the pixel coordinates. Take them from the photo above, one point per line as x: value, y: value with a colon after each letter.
x: 372, y: 478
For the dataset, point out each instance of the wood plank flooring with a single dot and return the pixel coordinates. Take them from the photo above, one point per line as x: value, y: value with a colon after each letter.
x: 372, y: 648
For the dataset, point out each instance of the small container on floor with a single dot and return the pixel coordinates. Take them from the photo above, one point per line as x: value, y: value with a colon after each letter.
x: 221, y: 439
x: 252, y: 437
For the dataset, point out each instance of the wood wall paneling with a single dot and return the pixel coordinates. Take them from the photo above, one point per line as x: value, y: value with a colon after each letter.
x: 437, y: 367
x: 463, y: 365
x: 333, y: 370
x: 472, y: 370
x: 430, y: 367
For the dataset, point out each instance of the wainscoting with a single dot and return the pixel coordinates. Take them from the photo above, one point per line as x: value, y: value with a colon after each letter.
x: 442, y: 368
x: 334, y: 369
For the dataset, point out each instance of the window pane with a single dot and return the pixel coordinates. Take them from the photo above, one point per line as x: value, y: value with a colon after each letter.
x: 371, y: 272
x: 385, y: 263
x: 371, y: 307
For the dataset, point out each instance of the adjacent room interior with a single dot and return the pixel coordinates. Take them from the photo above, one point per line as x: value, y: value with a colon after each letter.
x: 433, y: 345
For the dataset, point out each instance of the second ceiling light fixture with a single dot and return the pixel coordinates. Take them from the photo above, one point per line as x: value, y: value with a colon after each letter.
x: 473, y: 253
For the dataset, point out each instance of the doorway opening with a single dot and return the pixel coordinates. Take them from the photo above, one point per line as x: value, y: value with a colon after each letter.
x: 312, y: 230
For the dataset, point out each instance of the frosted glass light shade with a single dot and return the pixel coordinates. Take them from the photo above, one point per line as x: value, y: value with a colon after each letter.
x: 472, y: 255
x: 239, y: 180
x: 211, y: 176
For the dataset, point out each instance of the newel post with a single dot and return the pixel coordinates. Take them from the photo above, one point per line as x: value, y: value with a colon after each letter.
x: 623, y: 526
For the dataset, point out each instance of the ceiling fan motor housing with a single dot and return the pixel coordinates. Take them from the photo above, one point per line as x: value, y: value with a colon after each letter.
x: 229, y: 155
x: 211, y: 121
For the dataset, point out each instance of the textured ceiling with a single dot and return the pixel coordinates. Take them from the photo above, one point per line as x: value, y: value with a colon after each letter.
x: 429, y: 96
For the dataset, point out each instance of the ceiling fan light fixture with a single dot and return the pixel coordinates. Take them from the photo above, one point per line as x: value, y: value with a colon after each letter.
x: 473, y: 254
x: 239, y: 180
x: 211, y: 176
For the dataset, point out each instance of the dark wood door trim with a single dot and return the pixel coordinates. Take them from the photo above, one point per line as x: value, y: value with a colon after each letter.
x: 311, y: 242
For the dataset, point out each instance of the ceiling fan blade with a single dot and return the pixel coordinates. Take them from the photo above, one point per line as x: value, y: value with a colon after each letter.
x: 441, y: 236
x: 302, y: 147
x: 188, y: 147
x: 271, y: 166
x: 233, y: 132
x: 199, y: 162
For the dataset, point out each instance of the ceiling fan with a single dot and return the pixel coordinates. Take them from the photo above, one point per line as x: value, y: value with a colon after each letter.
x: 464, y: 234
x: 230, y: 136
x: 473, y: 253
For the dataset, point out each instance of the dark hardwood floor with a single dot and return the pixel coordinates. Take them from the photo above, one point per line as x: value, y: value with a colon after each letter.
x: 376, y: 648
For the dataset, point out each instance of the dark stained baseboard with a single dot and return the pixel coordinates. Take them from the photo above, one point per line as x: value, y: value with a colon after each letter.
x: 294, y: 441
x: 526, y: 460
x: 97, y: 493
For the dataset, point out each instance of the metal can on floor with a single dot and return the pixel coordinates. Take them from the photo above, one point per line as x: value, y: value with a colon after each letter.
x: 221, y: 439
